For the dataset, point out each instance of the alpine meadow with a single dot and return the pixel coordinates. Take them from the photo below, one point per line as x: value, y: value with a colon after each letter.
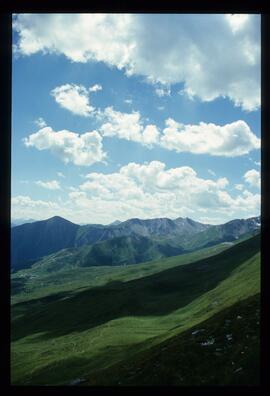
x: 136, y: 193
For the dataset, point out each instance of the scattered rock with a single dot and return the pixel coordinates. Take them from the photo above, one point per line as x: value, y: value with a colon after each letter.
x: 229, y: 337
x: 76, y: 381
x: 238, y: 370
x: 197, y: 331
x: 211, y: 341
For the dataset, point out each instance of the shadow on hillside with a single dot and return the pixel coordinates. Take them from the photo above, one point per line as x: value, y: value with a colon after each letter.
x: 142, y: 364
x: 63, y: 371
x: 161, y: 364
x: 154, y: 295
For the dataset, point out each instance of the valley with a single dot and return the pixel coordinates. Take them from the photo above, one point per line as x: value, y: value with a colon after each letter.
x: 135, y: 324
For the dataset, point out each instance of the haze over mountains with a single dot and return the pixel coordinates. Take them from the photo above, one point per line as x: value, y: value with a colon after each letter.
x: 127, y: 242
x: 16, y: 222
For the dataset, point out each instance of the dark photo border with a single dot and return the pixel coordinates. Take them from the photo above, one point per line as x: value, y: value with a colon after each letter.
x: 5, y: 164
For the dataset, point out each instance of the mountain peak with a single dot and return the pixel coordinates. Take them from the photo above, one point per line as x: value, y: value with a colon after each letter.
x: 115, y: 222
x: 57, y: 219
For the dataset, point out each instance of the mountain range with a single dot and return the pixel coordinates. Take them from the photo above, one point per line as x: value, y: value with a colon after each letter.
x: 16, y: 222
x: 120, y: 243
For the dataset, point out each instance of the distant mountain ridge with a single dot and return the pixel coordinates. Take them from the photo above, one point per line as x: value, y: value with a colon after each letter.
x: 123, y: 250
x: 227, y: 232
x: 161, y: 237
x: 31, y: 241
x: 159, y: 227
x: 17, y: 222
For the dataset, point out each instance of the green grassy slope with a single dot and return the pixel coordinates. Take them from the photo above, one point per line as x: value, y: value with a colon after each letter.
x: 215, y: 352
x: 64, y: 336
x: 57, y: 274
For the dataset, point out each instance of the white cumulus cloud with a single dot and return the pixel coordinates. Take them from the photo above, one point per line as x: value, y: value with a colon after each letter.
x: 84, y: 149
x: 40, y: 122
x: 163, y: 91
x: 50, y: 185
x: 253, y: 178
x: 239, y: 186
x: 229, y: 140
x: 150, y: 190
x: 213, y: 55
x: 128, y: 126
x: 95, y: 88
x: 23, y: 206
x: 74, y: 98
x: 146, y: 190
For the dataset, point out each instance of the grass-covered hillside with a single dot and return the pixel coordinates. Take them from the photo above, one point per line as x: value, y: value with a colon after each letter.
x: 222, y: 350
x: 74, y: 327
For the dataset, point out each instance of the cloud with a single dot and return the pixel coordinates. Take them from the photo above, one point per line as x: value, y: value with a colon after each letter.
x: 253, y: 178
x: 23, y: 206
x: 164, y: 91
x: 146, y: 190
x: 73, y: 98
x: 239, y: 187
x: 50, y: 185
x: 150, y: 190
x: 258, y: 163
x: 128, y: 126
x: 60, y: 174
x: 95, y: 88
x: 211, y: 172
x: 40, y: 122
x: 84, y: 149
x: 237, y: 21
x: 27, y: 201
x: 229, y: 140
x: 165, y: 49
x: 128, y: 101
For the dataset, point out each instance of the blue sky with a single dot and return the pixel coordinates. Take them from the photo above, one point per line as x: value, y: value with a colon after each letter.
x: 145, y: 116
